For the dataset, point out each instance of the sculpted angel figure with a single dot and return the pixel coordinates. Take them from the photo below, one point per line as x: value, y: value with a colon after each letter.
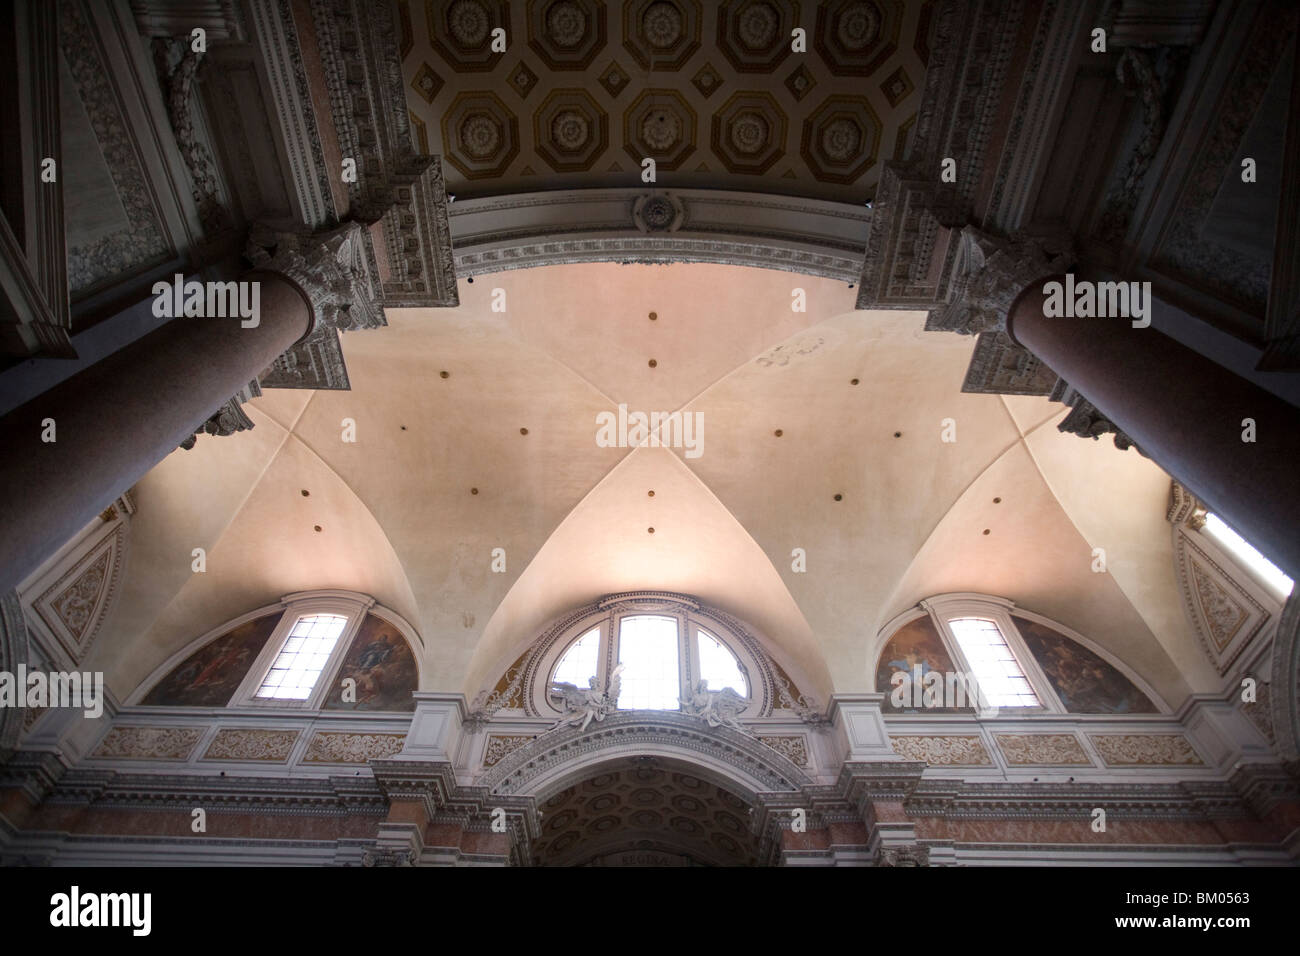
x: 581, y: 706
x: 717, y: 708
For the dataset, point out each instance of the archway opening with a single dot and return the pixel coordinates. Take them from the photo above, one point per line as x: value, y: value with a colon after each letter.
x: 646, y: 811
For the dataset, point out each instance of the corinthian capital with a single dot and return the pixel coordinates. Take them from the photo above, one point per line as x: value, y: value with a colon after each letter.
x: 988, y: 273
x: 334, y: 269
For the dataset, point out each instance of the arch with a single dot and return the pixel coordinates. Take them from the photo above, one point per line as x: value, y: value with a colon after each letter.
x: 560, y: 757
x: 647, y: 809
x: 356, y: 605
x: 560, y: 227
x: 524, y: 684
x: 1286, y: 681
x: 1005, y: 611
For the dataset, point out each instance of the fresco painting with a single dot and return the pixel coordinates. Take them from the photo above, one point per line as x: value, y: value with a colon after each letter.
x: 1085, y: 683
x: 915, y: 645
x: 381, y: 663
x: 212, y: 674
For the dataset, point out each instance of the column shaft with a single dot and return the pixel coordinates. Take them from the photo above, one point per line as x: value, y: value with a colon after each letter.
x: 120, y: 417
x: 1186, y: 412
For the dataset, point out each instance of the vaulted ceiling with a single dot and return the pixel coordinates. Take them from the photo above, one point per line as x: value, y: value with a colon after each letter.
x: 822, y: 431
x: 713, y: 92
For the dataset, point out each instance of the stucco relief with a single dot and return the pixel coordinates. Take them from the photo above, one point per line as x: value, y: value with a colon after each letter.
x: 1045, y: 749
x: 501, y: 745
x: 794, y: 747
x: 1145, y: 749
x: 352, y: 747
x: 943, y: 750
x: 243, y: 744
x: 149, y: 743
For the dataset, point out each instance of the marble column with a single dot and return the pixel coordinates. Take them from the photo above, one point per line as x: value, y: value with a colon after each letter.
x: 120, y: 417
x: 114, y: 421
x: 1186, y: 412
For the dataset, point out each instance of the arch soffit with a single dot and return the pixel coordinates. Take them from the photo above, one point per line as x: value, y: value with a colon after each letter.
x: 561, y: 227
x: 561, y: 758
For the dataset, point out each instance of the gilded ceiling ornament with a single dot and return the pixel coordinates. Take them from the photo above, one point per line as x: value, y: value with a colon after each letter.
x: 749, y: 133
x: 468, y: 23
x: 566, y: 24
x: 480, y: 136
x: 662, y: 24
x: 757, y: 26
x: 858, y: 26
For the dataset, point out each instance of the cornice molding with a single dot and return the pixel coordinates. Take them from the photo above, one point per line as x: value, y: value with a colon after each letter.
x: 806, y: 236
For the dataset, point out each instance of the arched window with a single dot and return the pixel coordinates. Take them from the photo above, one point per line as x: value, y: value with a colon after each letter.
x: 648, y: 651
x: 1248, y: 555
x: 317, y: 650
x: 1002, y: 681
x: 665, y: 643
x: 718, y: 665
x: 975, y: 653
x: 580, y: 662
x: 303, y: 656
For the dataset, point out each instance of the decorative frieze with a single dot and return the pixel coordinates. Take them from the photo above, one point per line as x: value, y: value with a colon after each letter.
x: 33, y: 256
x: 943, y: 750
x: 272, y: 25
x: 793, y: 747
x: 1124, y: 750
x: 337, y: 747
x: 237, y: 743
x: 1136, y: 69
x: 501, y: 745
x: 1001, y: 367
x: 1042, y: 750
x: 807, y: 236
x: 394, y: 185
x: 149, y: 743
x: 137, y: 239
x: 178, y: 65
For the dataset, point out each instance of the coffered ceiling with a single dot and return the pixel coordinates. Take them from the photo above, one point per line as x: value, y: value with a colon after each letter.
x: 643, y: 812
x: 713, y: 92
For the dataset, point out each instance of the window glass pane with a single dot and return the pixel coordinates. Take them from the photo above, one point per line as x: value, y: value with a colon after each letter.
x: 1002, y: 683
x: 302, y: 658
x: 647, y: 648
x: 1243, y: 551
x: 578, y: 665
x: 719, y: 666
